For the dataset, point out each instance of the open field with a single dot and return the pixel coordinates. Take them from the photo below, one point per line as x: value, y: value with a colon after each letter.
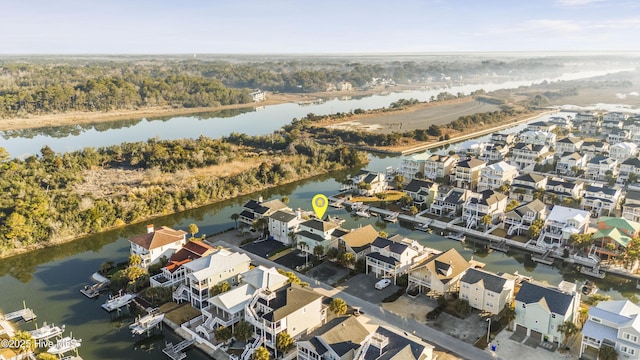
x: 418, y: 117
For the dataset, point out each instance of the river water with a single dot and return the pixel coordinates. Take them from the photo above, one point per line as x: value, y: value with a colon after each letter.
x: 49, y: 280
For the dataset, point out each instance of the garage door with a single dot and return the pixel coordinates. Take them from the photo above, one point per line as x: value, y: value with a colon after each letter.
x: 536, y: 335
x: 521, y: 330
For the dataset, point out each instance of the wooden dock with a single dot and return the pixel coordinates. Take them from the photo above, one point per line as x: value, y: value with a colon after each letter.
x: 175, y: 352
x: 595, y: 272
x: 544, y: 259
x: 92, y: 291
x: 25, y: 314
x: 499, y: 246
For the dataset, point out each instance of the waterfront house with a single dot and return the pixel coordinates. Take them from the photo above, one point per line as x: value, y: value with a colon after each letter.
x: 252, y: 210
x: 613, y: 236
x: 495, y: 175
x: 367, y: 183
x: 315, y: 232
x: 600, y: 199
x: 449, y: 202
x: 622, y: 151
x: 204, y: 273
x: 541, y: 126
x: 627, y: 168
x: 616, y: 136
x: 478, y: 205
x: 631, y: 206
x: 518, y: 220
x: 257, y: 95
x: 614, y: 119
x: 540, y: 309
x: 153, y: 245
x: 440, y: 166
x: 295, y: 309
x: 227, y: 309
x: 570, y: 163
x: 526, y: 156
x: 413, y: 165
x: 586, y: 116
x: 525, y: 185
x: 588, y: 123
x: 568, y: 144
x: 391, y: 257
x: 600, y: 166
x: 494, y: 152
x: 423, y: 192
x: 544, y: 138
x: 486, y: 291
x: 558, y: 190
x: 340, y: 338
x: 614, y: 323
x: 173, y: 273
x: 439, y: 274
x: 282, y: 223
x: 505, y: 139
x: 357, y: 241
x: 562, y: 122
x: 467, y: 173
x: 561, y: 223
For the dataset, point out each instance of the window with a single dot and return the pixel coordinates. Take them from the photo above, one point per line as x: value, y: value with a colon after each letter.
x: 595, y: 319
x: 553, y: 316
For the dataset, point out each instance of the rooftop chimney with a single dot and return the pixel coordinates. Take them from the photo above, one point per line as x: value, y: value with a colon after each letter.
x: 299, y: 214
x: 150, y: 228
x: 260, y: 199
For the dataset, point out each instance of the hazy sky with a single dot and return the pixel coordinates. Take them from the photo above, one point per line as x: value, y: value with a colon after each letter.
x: 321, y: 26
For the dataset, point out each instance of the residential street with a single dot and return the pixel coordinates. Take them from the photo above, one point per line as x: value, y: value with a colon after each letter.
x: 380, y: 316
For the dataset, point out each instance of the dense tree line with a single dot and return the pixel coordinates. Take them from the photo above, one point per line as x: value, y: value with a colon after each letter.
x: 43, y: 202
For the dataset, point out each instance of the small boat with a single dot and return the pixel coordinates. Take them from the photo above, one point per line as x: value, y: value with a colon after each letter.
x: 65, y: 345
x: 363, y: 213
x: 589, y: 288
x: 393, y: 218
x: 46, y: 332
x: 336, y: 220
x: 118, y: 301
x: 459, y: 237
x: 423, y: 227
x: 147, y: 322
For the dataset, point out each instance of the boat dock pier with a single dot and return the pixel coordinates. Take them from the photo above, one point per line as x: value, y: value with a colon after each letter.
x: 499, y: 246
x: 544, y: 259
x: 147, y: 323
x: 25, y: 315
x: 175, y: 352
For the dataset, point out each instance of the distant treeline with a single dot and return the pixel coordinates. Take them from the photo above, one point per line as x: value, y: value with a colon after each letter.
x: 58, y: 85
x: 44, y: 202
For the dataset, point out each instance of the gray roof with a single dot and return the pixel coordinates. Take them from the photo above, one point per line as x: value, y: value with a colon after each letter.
x: 490, y: 281
x: 342, y: 334
x: 632, y: 161
x: 385, y: 259
x: 601, y: 189
x: 471, y: 163
x: 415, y: 185
x: 557, y: 301
x: 283, y: 216
x: 569, y: 140
x: 534, y: 178
x: 633, y: 195
x: 319, y: 225
x: 399, y: 347
x: 393, y: 246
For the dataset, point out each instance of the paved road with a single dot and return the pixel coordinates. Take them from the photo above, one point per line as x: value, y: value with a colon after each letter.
x: 375, y: 312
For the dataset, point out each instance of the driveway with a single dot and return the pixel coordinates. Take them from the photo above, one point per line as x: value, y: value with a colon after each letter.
x: 328, y: 272
x: 362, y: 286
x: 293, y: 259
x: 263, y: 248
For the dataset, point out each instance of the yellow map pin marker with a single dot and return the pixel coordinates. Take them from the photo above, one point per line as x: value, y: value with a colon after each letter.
x: 320, y: 204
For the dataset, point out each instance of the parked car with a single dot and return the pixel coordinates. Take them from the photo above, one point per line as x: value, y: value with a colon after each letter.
x: 383, y: 284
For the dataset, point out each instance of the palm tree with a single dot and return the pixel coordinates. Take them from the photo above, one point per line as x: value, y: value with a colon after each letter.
x: 567, y: 329
x: 261, y: 353
x: 607, y: 353
x: 283, y: 341
x: 338, y: 306
x: 135, y: 260
x: 260, y: 224
x: 193, y: 230
x: 318, y: 251
x: 24, y: 342
x: 510, y: 315
x: 235, y: 218
x: 292, y: 237
x: 486, y: 220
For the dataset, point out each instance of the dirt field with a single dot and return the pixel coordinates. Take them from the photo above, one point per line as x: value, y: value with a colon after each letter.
x: 419, y: 118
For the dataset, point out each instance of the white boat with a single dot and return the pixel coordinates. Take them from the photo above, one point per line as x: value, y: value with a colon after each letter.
x: 423, y: 227
x: 363, y: 213
x: 336, y: 220
x: 46, y: 332
x: 459, y: 237
x: 589, y: 288
x: 147, y: 322
x: 393, y: 218
x: 65, y: 345
x: 118, y: 301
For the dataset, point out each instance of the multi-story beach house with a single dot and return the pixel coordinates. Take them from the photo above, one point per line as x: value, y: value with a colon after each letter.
x: 545, y: 138
x: 358, y: 241
x: 423, y: 192
x: 541, y: 309
x: 467, y: 173
x: 525, y: 186
x: 413, y: 165
x: 155, y: 244
x: 562, y: 122
x: 283, y: 223
x: 439, y: 274
x: 614, y: 119
x: 629, y: 170
x: 440, y: 166
x: 558, y: 189
x: 600, y: 166
x: 367, y: 183
x: 394, y: 256
x: 526, y: 156
x: 478, y: 205
x: 316, y: 232
x: 542, y: 126
x: 613, y: 236
x: 568, y: 144
x: 253, y: 210
x: 612, y: 323
x: 600, y: 200
x: 485, y: 291
x: 500, y: 138
x: 449, y: 202
x: 631, y: 205
x: 571, y: 163
x: 495, y: 175
x: 174, y: 273
x: 519, y: 220
x: 594, y: 148
x: 617, y: 135
x: 560, y: 224
x: 623, y: 151
x: 494, y: 152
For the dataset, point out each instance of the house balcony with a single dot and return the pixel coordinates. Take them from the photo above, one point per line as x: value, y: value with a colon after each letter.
x: 160, y: 280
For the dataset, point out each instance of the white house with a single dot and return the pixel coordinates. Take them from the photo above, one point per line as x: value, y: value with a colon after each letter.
x: 525, y: 185
x: 413, y: 165
x: 484, y: 203
x: 622, y: 151
x: 421, y: 191
x: 526, y: 156
x: 561, y: 223
x: 541, y: 126
x: 440, y: 166
x: 503, y: 138
x: 282, y: 223
x: 252, y: 210
x: 157, y: 243
x: 600, y: 166
x: 631, y: 206
x: 600, y: 200
x: 614, y: 119
x: 495, y: 175
x: 449, y: 202
x: 568, y: 144
x: 439, y: 274
x: 570, y: 163
x: 368, y: 183
x: 617, y: 135
x: 545, y: 138
x: 593, y: 148
x: 562, y: 122
x: 562, y: 189
x: 613, y: 323
x: 486, y: 291
x: 540, y: 309
x: 518, y: 220
x: 467, y: 173
x: 628, y: 167
x: 340, y: 338
x: 394, y: 256
x: 494, y: 152
x: 174, y: 273
x: 204, y: 273
x: 315, y: 232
